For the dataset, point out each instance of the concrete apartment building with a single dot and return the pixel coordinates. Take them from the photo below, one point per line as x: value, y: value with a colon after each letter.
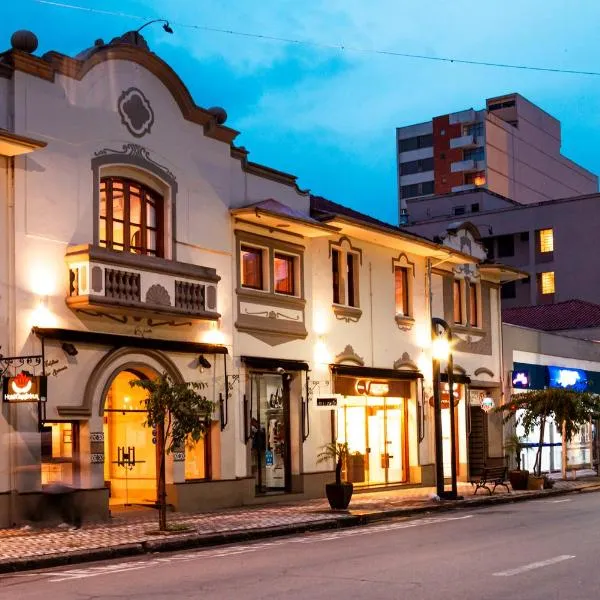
x: 511, y: 147
x: 553, y: 241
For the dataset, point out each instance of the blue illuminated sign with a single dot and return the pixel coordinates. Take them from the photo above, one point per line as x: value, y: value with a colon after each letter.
x: 521, y: 379
x: 570, y: 379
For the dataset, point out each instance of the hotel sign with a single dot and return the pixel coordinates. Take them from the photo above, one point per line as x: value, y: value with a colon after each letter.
x: 24, y: 388
x: 326, y: 402
x: 358, y: 386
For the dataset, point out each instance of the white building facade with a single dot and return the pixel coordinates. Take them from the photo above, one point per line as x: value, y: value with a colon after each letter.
x: 139, y: 240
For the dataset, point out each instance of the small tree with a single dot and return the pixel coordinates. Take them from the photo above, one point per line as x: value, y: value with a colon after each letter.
x: 570, y: 408
x: 338, y: 452
x: 180, y: 415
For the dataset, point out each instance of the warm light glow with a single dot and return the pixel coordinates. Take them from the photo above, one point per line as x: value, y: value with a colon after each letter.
x: 546, y: 240
x: 41, y: 316
x: 440, y: 348
x: 322, y: 355
x: 423, y: 336
x: 547, y: 282
x: 43, y: 280
x: 320, y: 322
x: 213, y: 335
x: 479, y: 180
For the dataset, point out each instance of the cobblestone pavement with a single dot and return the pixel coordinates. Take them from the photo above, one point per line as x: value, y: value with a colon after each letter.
x: 137, y: 526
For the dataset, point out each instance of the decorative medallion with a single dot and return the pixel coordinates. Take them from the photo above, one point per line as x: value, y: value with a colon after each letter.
x: 136, y: 113
x: 158, y: 295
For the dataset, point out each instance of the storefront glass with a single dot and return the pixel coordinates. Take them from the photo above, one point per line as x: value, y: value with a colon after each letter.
x: 375, y: 431
x: 59, y: 453
x: 130, y: 454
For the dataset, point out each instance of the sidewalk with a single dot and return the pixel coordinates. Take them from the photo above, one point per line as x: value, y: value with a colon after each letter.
x: 128, y: 534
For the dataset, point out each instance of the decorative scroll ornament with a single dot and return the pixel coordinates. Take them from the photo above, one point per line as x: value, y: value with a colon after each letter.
x: 135, y: 111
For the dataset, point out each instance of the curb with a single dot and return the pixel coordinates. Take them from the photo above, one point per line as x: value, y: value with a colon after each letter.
x: 186, y: 542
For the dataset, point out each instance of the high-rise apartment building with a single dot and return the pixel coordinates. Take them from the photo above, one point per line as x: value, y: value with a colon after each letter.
x: 511, y: 147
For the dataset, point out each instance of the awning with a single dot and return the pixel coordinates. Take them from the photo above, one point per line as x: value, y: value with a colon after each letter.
x: 119, y: 341
x: 456, y: 378
x: 12, y: 144
x: 272, y: 364
x: 374, y: 373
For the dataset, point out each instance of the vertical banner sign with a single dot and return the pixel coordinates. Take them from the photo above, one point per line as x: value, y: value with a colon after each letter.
x: 24, y: 388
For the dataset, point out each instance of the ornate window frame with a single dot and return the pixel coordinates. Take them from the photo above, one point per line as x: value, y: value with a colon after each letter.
x: 342, y: 310
x: 134, y: 162
x: 405, y: 322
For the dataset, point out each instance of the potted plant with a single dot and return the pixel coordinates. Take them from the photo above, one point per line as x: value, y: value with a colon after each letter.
x: 340, y: 492
x: 518, y: 478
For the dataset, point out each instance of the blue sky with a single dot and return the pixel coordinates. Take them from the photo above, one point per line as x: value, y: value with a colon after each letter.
x: 329, y: 116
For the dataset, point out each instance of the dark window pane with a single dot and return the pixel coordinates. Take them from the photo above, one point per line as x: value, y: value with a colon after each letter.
x: 457, y: 302
x: 351, y: 262
x: 473, y: 308
x: 335, y: 273
x: 506, y: 246
x: 508, y: 291
x: 401, y: 284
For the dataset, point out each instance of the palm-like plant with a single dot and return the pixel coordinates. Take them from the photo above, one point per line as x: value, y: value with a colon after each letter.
x: 338, y: 452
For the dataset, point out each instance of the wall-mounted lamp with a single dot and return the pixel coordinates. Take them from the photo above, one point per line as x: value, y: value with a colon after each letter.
x: 203, y: 362
x: 69, y: 349
x: 165, y: 26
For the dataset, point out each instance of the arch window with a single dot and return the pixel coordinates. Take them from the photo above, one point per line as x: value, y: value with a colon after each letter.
x: 131, y: 217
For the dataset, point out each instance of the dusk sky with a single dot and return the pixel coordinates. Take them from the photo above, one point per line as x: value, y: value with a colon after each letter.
x: 327, y: 115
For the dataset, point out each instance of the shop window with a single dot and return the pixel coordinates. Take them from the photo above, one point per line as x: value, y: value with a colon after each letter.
x: 197, y: 458
x: 457, y: 301
x: 131, y: 217
x: 473, y: 305
x: 284, y: 274
x: 252, y: 267
x: 59, y: 452
x: 546, y: 240
x: 401, y: 285
x: 547, y: 283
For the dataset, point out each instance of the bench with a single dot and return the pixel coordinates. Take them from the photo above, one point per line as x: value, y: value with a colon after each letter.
x: 496, y: 475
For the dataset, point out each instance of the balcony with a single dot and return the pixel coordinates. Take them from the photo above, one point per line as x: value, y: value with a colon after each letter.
x: 122, y: 285
x: 464, y: 188
x: 464, y: 116
x: 467, y: 166
x: 465, y: 141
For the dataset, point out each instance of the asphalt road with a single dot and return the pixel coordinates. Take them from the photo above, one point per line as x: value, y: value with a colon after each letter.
x: 544, y: 549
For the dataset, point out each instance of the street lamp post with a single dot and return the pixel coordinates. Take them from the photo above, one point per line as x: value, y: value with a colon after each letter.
x: 442, y: 350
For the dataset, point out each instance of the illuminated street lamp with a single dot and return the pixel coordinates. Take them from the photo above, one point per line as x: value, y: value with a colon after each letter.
x: 441, y: 346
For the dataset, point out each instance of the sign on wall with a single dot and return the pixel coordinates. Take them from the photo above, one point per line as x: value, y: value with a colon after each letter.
x: 521, y: 379
x: 24, y: 388
x: 567, y: 378
x: 326, y: 402
x: 354, y: 386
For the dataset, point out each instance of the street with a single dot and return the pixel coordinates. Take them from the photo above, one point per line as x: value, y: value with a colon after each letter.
x: 539, y: 549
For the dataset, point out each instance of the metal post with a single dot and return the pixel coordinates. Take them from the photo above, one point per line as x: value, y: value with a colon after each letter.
x: 437, y: 410
x: 454, y: 493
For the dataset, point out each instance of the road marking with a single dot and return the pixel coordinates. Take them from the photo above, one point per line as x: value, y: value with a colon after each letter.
x: 535, y: 565
x: 122, y: 567
x: 560, y: 501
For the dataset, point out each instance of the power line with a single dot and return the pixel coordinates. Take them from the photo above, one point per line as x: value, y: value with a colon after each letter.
x: 338, y: 47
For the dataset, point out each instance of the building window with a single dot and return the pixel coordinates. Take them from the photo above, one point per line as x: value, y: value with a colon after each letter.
x: 414, y: 143
x: 197, y: 458
x: 477, y: 179
x: 59, y: 452
x: 130, y: 217
x: 508, y: 291
x: 474, y: 129
x: 475, y: 207
x: 417, y: 189
x: 473, y: 305
x: 546, y: 237
x: 506, y: 246
x: 344, y: 271
x: 284, y: 274
x: 416, y: 166
x: 252, y: 268
x: 547, y: 282
x: 474, y: 154
x: 458, y: 210
x: 458, y: 310
x: 401, y: 287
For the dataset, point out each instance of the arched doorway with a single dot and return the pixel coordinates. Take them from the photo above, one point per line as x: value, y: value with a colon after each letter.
x: 130, y: 452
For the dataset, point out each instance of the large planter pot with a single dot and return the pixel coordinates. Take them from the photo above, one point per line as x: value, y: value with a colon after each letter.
x: 339, y: 495
x: 519, y: 480
x: 535, y: 483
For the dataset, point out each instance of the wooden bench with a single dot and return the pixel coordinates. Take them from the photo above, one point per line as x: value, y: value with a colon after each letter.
x: 496, y: 475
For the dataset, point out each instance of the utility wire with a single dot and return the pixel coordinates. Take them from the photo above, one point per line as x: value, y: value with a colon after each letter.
x: 338, y: 47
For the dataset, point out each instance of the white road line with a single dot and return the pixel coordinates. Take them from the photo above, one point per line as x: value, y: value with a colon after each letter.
x: 560, y: 501
x: 535, y: 565
x: 85, y: 572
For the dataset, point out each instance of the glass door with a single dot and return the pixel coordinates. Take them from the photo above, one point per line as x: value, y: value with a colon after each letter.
x: 270, y: 432
x: 352, y: 430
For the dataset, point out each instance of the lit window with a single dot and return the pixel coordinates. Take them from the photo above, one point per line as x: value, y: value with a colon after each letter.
x: 196, y: 459
x: 284, y: 274
x: 57, y: 452
x: 458, y: 301
x: 130, y: 217
x: 252, y: 269
x: 546, y: 240
x: 547, y: 282
x: 401, y: 285
x: 473, y: 306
